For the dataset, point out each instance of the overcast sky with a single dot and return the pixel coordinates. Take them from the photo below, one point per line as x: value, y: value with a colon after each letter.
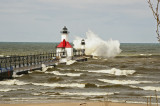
x: 129, y: 21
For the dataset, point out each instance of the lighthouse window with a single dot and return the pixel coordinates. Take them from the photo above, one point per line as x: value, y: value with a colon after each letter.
x: 65, y: 32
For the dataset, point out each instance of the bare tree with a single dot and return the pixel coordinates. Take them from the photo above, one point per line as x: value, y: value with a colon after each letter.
x: 156, y: 16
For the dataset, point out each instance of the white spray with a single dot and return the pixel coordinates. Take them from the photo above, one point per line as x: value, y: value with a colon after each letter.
x: 97, y: 47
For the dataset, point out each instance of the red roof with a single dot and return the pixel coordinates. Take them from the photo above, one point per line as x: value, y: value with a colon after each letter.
x: 64, y: 44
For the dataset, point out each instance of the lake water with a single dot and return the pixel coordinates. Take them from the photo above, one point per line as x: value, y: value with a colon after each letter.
x: 130, y: 77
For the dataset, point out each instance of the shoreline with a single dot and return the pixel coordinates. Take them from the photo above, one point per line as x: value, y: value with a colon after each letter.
x: 78, y: 104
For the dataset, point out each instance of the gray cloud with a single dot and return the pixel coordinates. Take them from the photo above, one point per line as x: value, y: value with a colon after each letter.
x: 41, y: 20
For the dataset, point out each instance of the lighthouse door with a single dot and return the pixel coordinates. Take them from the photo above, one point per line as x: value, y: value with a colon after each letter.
x: 63, y: 55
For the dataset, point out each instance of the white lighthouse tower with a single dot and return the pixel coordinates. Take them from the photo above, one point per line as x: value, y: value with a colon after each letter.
x: 64, y: 49
x: 64, y: 33
x: 83, y: 46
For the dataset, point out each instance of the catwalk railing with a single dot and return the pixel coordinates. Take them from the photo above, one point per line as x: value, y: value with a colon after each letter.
x: 17, y: 62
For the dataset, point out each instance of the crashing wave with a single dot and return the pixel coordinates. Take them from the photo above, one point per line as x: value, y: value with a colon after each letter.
x: 150, y: 88
x: 70, y: 85
x: 87, y: 93
x: 65, y: 74
x: 12, y: 82
x: 6, y: 90
x: 70, y: 62
x: 114, y: 71
x: 124, y: 82
x: 110, y: 48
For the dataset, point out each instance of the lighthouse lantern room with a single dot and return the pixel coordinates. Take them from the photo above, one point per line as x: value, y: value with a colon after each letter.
x: 64, y: 33
x: 64, y: 49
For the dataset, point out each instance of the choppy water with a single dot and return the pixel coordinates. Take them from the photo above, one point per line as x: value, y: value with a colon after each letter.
x: 130, y: 77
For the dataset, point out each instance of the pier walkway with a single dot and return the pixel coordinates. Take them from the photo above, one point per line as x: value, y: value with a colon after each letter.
x: 23, y: 64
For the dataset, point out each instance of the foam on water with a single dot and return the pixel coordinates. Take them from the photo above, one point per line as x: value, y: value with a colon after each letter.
x: 1, y: 55
x: 12, y: 82
x: 124, y: 82
x: 17, y: 76
x: 6, y: 90
x: 61, y: 69
x: 70, y: 62
x: 71, y: 85
x: 136, y: 102
x: 151, y: 96
x: 95, y: 57
x: 114, y: 71
x: 65, y: 74
x: 145, y: 54
x: 36, y: 94
x: 44, y: 68
x: 150, y: 88
x: 87, y: 93
x: 30, y: 72
x: 97, y: 47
